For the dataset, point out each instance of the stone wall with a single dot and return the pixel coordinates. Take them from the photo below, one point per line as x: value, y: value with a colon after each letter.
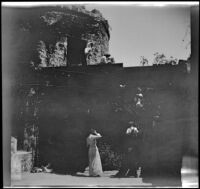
x: 71, y: 101
x: 21, y: 161
x: 40, y: 35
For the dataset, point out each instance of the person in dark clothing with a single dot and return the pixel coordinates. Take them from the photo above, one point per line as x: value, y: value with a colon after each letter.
x: 131, y: 160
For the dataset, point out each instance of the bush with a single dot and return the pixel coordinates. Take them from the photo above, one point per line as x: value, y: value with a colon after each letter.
x: 111, y: 160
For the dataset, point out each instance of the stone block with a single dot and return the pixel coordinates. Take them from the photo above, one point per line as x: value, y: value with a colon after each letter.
x: 21, y: 161
x: 15, y: 167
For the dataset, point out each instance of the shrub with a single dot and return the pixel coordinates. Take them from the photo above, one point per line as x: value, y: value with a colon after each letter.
x: 110, y: 159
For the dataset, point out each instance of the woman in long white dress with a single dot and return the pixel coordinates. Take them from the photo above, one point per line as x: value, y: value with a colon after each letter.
x: 95, y: 166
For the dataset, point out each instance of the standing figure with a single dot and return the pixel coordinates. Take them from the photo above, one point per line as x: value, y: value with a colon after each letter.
x: 131, y: 160
x: 95, y: 166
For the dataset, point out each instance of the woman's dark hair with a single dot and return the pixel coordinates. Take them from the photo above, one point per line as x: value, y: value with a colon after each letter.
x: 92, y: 131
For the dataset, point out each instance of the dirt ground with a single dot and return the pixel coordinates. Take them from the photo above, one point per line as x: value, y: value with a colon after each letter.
x: 48, y: 179
x: 189, y: 179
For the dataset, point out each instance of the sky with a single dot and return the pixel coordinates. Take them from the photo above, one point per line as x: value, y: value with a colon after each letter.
x: 142, y: 30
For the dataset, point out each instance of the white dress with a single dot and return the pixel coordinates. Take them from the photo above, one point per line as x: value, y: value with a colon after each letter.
x: 95, y: 166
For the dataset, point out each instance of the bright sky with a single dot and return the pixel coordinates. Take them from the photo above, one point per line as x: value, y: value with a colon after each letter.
x: 143, y: 30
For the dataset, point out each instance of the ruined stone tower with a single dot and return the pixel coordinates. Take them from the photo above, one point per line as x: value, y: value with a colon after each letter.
x: 57, y: 36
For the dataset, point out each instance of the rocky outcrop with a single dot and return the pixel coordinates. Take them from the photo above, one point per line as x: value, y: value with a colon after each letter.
x: 41, y: 35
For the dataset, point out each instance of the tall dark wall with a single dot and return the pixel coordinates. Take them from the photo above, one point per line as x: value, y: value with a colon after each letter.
x: 74, y: 100
x: 193, y: 81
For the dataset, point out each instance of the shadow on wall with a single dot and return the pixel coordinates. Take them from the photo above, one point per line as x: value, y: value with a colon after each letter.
x: 63, y: 143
